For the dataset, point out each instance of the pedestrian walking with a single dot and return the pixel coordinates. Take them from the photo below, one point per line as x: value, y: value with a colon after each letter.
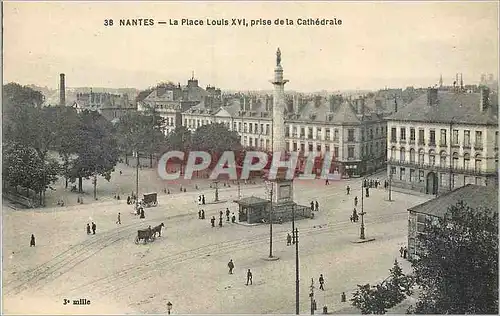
x: 220, y: 222
x: 212, y: 220
x: 202, y: 214
x: 199, y: 214
x: 356, y: 201
x: 249, y: 277
x: 119, y: 220
x: 142, y: 213
x: 327, y: 181
x: 203, y: 199
x: 32, y: 241
x: 233, y: 218
x: 288, y: 240
x: 221, y: 213
x: 348, y: 189
x: 401, y: 251
x: 321, y: 282
x: 317, y: 206
x: 312, y: 206
x: 88, y: 229
x: 230, y: 265
x: 227, y: 214
x: 94, y: 227
x: 405, y: 252
x: 367, y: 192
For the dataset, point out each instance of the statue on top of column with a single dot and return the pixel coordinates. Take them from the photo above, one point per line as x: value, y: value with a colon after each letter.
x: 278, y: 57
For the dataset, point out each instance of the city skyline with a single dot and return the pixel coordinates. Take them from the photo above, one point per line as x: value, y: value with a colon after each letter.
x: 368, y: 51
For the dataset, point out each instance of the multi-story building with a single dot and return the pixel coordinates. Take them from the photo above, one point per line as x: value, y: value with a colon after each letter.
x: 111, y: 106
x: 351, y: 130
x: 429, y: 213
x: 443, y: 140
x: 170, y: 101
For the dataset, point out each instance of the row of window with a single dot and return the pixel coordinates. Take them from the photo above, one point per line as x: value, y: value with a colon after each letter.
x: 442, y: 158
x: 444, y: 178
x: 443, y: 137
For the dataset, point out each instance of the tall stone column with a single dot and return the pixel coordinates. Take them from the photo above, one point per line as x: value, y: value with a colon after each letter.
x: 282, y: 189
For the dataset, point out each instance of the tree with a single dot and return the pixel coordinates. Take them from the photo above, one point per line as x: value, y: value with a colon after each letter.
x: 66, y: 126
x: 379, y: 298
x: 179, y: 139
x: 155, y: 133
x: 215, y: 139
x: 21, y: 166
x: 141, y: 133
x: 97, y: 152
x: 458, y: 268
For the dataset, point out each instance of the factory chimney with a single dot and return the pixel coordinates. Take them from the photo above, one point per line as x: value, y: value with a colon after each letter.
x: 62, y: 90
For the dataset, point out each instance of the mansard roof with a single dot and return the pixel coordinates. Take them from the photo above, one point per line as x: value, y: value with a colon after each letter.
x: 451, y: 107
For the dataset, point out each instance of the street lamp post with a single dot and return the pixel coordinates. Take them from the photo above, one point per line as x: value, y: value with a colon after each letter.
x: 271, y: 225
x: 169, y: 307
x: 239, y: 190
x: 362, y: 232
x: 311, y: 295
x: 293, y: 224
x: 216, y: 191
x: 390, y: 186
x: 137, y: 175
x: 296, y: 237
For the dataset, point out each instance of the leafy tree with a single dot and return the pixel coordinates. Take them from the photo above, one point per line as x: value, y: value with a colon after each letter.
x: 97, y: 152
x: 155, y: 133
x: 140, y: 133
x: 66, y: 126
x: 458, y: 268
x: 379, y: 298
x: 179, y: 139
x: 21, y: 166
x: 215, y: 138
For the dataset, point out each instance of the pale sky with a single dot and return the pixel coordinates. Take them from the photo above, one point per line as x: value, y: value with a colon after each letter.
x: 394, y: 44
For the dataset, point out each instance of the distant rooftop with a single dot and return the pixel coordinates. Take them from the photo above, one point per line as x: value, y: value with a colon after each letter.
x: 475, y: 196
x: 450, y: 107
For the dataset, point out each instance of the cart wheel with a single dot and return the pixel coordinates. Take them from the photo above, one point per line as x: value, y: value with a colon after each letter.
x: 137, y: 240
x: 155, y: 204
x: 153, y: 237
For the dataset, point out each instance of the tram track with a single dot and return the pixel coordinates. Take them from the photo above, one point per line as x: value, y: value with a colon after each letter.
x: 134, y: 274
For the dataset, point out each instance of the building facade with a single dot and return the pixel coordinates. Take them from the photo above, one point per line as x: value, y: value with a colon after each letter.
x: 429, y: 213
x: 170, y: 101
x: 444, y: 140
x: 350, y: 130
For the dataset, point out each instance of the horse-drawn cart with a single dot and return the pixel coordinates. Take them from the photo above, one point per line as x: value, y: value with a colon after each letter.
x: 145, y: 234
x: 150, y: 199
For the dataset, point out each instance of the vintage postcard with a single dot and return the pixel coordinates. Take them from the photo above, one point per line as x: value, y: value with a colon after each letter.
x: 250, y: 157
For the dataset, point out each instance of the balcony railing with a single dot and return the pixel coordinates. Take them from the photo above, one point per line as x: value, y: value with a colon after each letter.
x: 412, y: 142
x: 452, y: 169
x: 402, y: 142
x: 478, y: 147
x: 432, y: 144
x: 467, y: 145
x: 421, y: 142
x: 442, y: 144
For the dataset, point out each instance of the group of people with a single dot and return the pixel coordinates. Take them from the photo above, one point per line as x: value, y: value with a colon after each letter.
x: 230, y: 265
x: 201, y: 199
x: 370, y: 183
x: 314, y: 206
x: 93, y: 227
x: 221, y: 213
x: 403, y: 252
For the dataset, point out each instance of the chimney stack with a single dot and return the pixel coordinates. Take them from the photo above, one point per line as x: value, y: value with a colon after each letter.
x: 62, y: 90
x: 484, y: 100
x: 432, y: 96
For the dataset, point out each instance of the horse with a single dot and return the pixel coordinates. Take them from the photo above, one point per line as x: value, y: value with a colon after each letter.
x: 157, y: 229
